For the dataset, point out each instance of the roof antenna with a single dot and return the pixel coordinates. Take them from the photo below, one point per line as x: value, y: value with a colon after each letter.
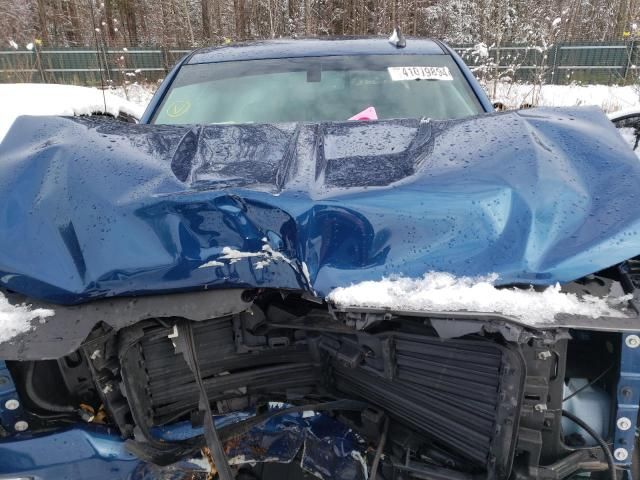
x: 397, y: 39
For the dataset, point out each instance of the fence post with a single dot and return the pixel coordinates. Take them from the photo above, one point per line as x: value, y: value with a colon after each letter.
x: 554, y: 67
x: 39, y: 63
x: 165, y: 58
x: 629, y: 56
x: 107, y: 66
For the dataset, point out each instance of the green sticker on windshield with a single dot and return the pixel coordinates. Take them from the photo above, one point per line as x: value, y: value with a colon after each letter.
x: 178, y: 108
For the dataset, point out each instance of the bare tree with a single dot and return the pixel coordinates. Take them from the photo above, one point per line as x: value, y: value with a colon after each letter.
x: 200, y: 22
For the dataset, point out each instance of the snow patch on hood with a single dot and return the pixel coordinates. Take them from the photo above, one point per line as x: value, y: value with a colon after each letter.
x: 212, y: 263
x: 437, y: 291
x: 265, y: 256
x: 234, y: 255
x: 16, y: 319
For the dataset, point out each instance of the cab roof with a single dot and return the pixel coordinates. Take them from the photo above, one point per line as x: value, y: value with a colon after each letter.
x: 312, y: 47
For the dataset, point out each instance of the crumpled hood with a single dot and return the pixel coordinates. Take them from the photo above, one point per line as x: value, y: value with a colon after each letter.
x: 94, y: 208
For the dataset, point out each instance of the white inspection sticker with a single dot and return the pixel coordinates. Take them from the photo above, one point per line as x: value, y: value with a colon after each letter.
x: 419, y: 73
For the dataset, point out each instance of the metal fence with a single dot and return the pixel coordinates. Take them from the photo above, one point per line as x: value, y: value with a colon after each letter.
x: 603, y: 63
x: 608, y: 63
x: 87, y: 66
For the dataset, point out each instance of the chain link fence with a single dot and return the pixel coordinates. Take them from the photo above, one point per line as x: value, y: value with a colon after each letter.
x: 601, y: 63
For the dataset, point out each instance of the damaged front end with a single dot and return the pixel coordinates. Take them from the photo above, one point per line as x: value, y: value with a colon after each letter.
x: 184, y: 322
x: 331, y: 392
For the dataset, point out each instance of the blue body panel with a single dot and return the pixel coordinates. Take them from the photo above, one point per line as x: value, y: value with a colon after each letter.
x: 539, y: 196
x: 628, y: 400
x: 11, y: 412
x: 88, y: 453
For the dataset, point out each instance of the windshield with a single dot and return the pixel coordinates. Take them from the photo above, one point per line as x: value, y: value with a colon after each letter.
x: 319, y: 89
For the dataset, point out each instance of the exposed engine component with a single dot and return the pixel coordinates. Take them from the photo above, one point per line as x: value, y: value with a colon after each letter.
x: 465, y: 399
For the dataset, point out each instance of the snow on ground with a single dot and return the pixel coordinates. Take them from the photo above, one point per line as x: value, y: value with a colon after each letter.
x: 47, y: 99
x: 136, y: 93
x: 609, y: 98
x: 445, y: 292
x: 16, y: 319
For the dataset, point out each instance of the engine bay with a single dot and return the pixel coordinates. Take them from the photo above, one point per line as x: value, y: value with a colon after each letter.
x: 424, y: 396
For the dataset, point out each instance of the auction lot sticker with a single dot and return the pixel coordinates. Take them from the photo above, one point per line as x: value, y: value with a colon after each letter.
x: 419, y: 73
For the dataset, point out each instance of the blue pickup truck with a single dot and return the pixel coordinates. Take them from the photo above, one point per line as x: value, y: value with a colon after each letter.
x: 320, y: 258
